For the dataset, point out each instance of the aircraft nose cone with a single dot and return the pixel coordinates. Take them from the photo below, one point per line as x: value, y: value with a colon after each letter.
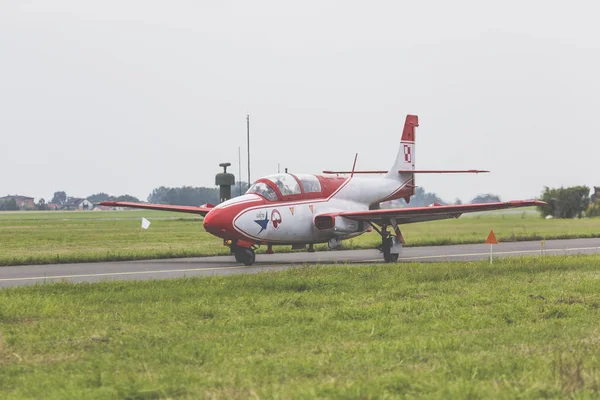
x: 216, y: 222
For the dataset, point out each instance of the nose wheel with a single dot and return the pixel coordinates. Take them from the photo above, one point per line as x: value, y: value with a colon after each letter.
x: 244, y: 255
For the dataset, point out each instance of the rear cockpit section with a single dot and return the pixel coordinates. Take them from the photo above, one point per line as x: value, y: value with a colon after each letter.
x: 284, y: 187
x: 286, y: 183
x: 310, y: 183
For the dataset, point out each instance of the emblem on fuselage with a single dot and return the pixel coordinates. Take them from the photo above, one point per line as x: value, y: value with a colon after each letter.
x: 275, y: 218
x: 262, y: 219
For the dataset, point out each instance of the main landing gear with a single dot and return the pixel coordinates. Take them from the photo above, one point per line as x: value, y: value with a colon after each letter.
x: 391, y: 245
x: 387, y: 243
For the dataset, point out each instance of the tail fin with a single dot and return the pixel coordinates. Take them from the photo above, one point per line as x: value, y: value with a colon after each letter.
x: 405, y: 160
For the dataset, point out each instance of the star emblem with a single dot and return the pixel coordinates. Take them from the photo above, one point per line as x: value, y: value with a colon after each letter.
x: 263, y: 222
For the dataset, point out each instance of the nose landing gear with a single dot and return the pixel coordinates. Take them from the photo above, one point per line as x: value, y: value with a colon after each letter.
x: 244, y: 256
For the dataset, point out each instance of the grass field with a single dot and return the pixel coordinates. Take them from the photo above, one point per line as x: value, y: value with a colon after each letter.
x: 522, y: 328
x: 59, y: 237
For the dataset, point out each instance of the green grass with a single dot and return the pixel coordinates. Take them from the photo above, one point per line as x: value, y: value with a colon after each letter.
x: 522, y: 328
x: 59, y: 237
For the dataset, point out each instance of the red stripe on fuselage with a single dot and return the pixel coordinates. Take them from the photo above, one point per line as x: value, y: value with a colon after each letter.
x: 397, y: 194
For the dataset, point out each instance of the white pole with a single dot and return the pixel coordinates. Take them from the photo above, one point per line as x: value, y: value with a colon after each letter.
x: 491, y: 251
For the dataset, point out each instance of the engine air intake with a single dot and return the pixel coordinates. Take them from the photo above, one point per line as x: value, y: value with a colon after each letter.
x: 324, y: 222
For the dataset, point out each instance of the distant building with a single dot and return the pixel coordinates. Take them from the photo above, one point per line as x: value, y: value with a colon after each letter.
x: 75, y: 203
x: 23, y: 202
x: 54, y: 206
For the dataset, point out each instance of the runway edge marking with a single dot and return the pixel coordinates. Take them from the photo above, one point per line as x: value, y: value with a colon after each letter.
x: 162, y: 271
x: 497, y: 253
x: 32, y: 278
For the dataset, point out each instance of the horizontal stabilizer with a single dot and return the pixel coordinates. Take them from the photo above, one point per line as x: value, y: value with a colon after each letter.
x: 443, y: 171
x: 417, y: 171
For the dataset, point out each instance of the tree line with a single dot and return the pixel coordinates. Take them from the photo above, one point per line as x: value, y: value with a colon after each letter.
x: 185, y: 195
x: 421, y: 198
x: 61, y: 198
x: 9, y: 205
x: 570, y: 202
x: 195, y: 196
x: 192, y: 196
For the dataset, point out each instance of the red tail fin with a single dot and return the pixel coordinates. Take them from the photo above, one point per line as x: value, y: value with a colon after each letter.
x: 408, y: 134
x: 405, y: 159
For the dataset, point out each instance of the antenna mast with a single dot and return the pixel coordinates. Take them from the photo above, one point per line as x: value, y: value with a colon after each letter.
x: 248, y: 136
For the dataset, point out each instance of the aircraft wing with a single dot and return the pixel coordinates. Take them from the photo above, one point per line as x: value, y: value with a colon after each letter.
x: 161, y: 207
x: 429, y: 213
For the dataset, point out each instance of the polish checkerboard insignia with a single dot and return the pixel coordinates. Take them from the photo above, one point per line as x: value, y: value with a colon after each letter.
x: 407, y: 155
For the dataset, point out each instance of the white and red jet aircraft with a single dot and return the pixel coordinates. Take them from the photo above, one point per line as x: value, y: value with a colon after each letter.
x: 304, y: 209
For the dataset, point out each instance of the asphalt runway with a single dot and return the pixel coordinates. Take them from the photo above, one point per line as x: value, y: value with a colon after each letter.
x: 226, y: 265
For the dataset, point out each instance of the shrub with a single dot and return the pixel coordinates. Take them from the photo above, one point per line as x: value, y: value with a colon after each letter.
x: 563, y: 202
x: 593, y: 210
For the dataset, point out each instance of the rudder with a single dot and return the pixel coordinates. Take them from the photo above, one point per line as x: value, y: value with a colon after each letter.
x: 405, y: 159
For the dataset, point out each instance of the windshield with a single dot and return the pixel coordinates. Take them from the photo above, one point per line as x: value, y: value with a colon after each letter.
x: 264, y: 190
x: 286, y: 183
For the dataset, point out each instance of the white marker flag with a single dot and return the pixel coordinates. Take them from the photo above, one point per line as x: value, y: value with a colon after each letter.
x: 145, y: 223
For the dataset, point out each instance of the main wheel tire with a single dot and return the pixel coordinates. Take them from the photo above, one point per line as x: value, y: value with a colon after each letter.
x: 239, y: 255
x: 386, y: 248
x: 245, y: 256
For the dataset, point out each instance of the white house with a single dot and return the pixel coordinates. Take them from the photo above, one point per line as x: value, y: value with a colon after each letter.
x: 75, y: 203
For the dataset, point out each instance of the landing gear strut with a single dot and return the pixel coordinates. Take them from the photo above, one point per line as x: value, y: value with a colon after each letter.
x: 244, y: 255
x: 390, y: 245
x: 386, y: 248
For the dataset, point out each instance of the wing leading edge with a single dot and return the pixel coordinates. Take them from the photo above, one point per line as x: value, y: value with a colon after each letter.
x: 430, y: 213
x: 161, y: 207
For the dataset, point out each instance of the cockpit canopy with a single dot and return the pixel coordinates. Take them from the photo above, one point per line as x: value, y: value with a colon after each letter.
x: 286, y: 184
x: 310, y: 183
x: 264, y: 190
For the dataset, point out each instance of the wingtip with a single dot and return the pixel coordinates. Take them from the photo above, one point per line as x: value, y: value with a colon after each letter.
x: 527, y: 202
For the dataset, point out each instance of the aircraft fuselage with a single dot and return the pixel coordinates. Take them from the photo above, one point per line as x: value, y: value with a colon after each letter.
x: 252, y: 218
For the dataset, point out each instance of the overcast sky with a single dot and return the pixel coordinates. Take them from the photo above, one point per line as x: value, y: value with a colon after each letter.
x: 123, y: 96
